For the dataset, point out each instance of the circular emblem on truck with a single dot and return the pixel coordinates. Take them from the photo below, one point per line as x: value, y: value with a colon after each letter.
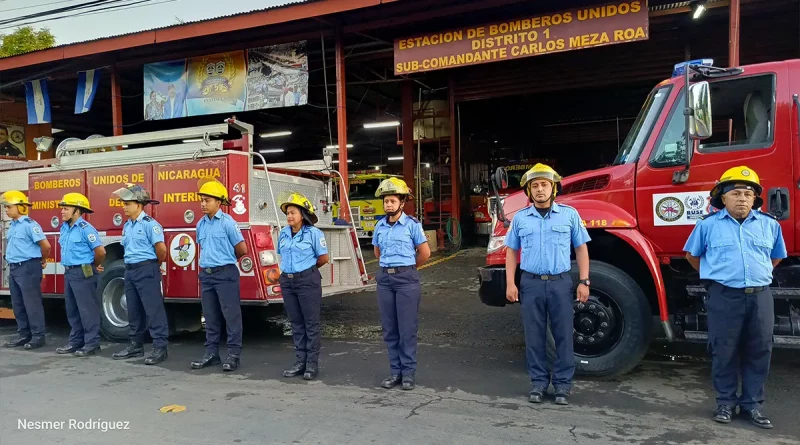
x: 182, y: 250
x: 669, y: 209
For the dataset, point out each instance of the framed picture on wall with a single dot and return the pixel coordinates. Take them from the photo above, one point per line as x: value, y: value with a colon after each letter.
x: 12, y: 141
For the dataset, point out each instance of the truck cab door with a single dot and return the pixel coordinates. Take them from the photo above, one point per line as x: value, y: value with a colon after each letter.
x: 750, y: 128
x: 793, y: 67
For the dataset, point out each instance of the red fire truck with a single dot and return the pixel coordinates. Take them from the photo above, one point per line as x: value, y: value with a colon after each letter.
x: 170, y: 169
x: 640, y: 210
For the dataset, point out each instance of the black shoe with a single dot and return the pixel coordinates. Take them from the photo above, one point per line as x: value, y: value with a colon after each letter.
x: 207, y: 360
x: 85, y: 352
x: 757, y: 418
x: 297, y: 369
x: 408, y: 382
x: 537, y: 395
x: 723, y: 414
x: 19, y: 341
x: 231, y: 363
x: 35, y: 343
x: 311, y: 372
x: 69, y: 349
x: 157, y: 356
x: 133, y: 350
x: 562, y: 397
x: 391, y: 381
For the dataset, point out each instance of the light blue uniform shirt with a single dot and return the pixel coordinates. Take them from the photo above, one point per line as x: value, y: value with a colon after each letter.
x: 545, y: 241
x: 398, y: 242
x: 23, y: 238
x: 216, y: 237
x: 78, y: 243
x: 737, y: 255
x: 139, y: 237
x: 300, y: 251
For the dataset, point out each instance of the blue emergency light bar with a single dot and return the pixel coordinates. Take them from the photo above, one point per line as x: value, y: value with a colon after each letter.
x: 680, y: 68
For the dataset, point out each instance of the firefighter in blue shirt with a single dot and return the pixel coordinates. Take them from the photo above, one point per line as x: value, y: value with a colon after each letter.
x: 221, y: 244
x: 400, y: 246
x: 735, y: 251
x: 544, y: 233
x: 303, y: 251
x: 143, y: 241
x: 82, y: 255
x: 26, y: 254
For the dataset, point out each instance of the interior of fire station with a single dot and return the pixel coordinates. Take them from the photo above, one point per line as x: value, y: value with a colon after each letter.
x: 444, y: 131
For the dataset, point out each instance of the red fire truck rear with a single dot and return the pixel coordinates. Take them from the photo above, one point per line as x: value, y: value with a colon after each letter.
x: 169, y: 164
x: 640, y: 210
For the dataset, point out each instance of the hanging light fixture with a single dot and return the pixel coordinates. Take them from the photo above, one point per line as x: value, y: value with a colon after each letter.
x: 698, y: 8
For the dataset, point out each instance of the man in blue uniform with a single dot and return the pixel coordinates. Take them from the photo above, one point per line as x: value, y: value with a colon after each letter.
x: 26, y: 254
x: 544, y: 232
x: 303, y: 251
x: 143, y: 241
x: 221, y: 244
x: 401, y: 247
x: 82, y: 255
x: 735, y: 251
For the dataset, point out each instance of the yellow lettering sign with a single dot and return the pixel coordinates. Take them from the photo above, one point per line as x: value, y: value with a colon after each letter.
x: 176, y: 175
x: 45, y: 205
x: 57, y: 184
x: 181, y: 197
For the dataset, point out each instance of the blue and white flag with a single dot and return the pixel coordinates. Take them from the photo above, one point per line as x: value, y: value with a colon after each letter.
x: 38, y: 101
x: 87, y: 87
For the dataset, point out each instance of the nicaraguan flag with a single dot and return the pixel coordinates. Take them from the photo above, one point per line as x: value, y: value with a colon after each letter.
x: 38, y: 101
x: 87, y: 87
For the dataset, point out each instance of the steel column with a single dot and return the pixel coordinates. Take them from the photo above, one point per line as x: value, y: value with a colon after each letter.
x: 116, y: 102
x: 341, y: 118
x: 733, y: 42
x: 407, y: 111
x: 455, y: 179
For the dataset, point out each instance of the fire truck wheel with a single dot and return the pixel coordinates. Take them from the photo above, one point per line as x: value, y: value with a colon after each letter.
x: 113, y: 306
x: 612, y: 330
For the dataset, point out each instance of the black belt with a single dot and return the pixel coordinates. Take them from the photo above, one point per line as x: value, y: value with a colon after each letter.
x: 210, y: 270
x: 547, y: 277
x: 38, y: 260
x: 299, y: 274
x: 398, y: 269
x: 77, y: 267
x: 139, y: 264
x: 753, y: 290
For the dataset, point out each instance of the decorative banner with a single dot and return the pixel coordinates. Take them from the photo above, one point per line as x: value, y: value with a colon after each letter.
x: 216, y: 83
x: 12, y: 141
x: 277, y: 76
x: 38, y: 101
x: 165, y: 90
x: 618, y: 22
x: 87, y: 87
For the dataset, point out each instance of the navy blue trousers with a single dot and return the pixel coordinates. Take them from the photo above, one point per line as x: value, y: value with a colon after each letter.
x: 26, y: 297
x: 740, y: 329
x: 146, y: 303
x: 540, y: 300
x: 83, y: 308
x: 302, y: 298
x: 399, y: 295
x: 221, y: 304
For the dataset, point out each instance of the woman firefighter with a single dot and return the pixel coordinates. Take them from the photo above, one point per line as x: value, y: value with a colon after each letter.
x: 303, y: 251
x: 401, y: 246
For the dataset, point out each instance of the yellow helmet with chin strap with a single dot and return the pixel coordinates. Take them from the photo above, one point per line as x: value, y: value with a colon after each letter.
x: 213, y: 188
x: 300, y: 201
x: 733, y: 177
x: 76, y: 200
x: 393, y: 186
x: 17, y: 198
x: 541, y: 171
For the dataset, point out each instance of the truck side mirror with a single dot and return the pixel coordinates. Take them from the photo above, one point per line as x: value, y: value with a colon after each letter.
x: 501, y: 178
x: 700, y: 120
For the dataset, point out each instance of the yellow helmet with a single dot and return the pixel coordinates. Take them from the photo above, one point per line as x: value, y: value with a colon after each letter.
x: 213, y: 188
x: 76, y: 200
x: 737, y: 175
x: 393, y: 186
x: 541, y: 171
x: 297, y: 199
x: 15, y: 197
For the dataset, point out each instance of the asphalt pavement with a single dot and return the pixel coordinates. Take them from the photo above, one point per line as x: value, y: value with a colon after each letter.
x: 472, y: 387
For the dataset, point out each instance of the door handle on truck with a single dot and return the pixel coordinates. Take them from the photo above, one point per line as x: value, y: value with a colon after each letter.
x: 778, y: 202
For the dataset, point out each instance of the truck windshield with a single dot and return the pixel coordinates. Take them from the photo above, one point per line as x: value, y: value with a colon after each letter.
x: 643, y: 126
x: 363, y: 189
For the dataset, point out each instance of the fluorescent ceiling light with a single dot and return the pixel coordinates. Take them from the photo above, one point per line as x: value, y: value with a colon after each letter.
x: 275, y: 134
x: 55, y: 130
x: 336, y: 161
x: 124, y: 146
x: 337, y: 146
x: 377, y: 167
x: 382, y: 124
x: 699, y: 8
x: 271, y: 150
x: 189, y: 141
x: 427, y: 165
x: 395, y: 158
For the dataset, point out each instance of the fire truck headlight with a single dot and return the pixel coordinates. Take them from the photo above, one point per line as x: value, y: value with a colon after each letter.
x: 247, y: 264
x: 479, y: 215
x: 495, y: 244
x: 117, y: 220
x: 54, y: 222
x: 188, y: 216
x: 267, y: 258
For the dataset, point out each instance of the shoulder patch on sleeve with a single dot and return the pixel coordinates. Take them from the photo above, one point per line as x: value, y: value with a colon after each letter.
x: 92, y: 237
x: 37, y: 230
x: 156, y: 229
x: 322, y: 242
x: 83, y: 224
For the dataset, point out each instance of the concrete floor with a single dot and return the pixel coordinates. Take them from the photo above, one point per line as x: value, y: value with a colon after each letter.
x: 472, y: 387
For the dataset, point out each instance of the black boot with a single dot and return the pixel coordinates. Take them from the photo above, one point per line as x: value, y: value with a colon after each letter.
x: 207, y: 360
x: 537, y: 395
x: 757, y: 418
x: 157, y: 356
x: 562, y: 397
x: 231, y: 363
x: 723, y: 414
x: 391, y: 381
x: 85, y: 352
x: 17, y: 342
x: 311, y: 371
x: 408, y: 382
x: 35, y: 343
x: 69, y: 349
x: 135, y: 349
x: 297, y: 369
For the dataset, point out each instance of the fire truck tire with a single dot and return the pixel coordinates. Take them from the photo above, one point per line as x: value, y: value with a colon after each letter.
x: 625, y: 339
x: 110, y: 295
